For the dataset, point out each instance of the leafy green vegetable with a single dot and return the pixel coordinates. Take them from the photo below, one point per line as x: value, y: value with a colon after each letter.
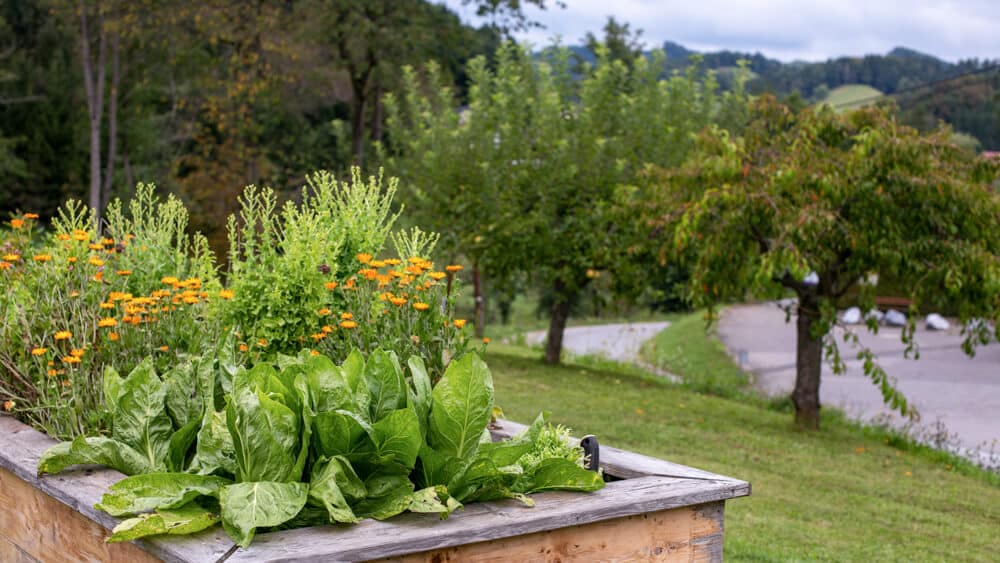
x: 140, y: 420
x: 461, y: 405
x: 557, y: 474
x: 397, y: 437
x: 98, y: 451
x: 384, y: 378
x: 177, y: 521
x: 334, y: 485
x: 251, y: 505
x: 141, y: 493
x: 265, y: 434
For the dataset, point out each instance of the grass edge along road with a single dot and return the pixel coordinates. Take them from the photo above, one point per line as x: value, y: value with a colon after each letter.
x: 848, y: 492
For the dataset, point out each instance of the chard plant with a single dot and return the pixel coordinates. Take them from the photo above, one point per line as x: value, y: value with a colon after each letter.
x: 303, y: 441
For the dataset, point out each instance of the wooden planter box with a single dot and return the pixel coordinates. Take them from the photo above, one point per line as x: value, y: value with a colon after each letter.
x: 651, y: 510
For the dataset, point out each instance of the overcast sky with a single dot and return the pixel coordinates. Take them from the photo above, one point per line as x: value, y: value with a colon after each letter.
x: 785, y: 29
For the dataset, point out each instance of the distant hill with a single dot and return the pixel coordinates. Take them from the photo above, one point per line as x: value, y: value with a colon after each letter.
x: 851, y: 96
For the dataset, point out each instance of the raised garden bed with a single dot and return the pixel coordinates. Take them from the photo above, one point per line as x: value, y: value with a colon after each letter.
x: 649, y: 510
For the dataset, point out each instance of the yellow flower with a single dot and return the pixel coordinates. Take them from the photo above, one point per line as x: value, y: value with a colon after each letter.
x: 227, y: 294
x: 95, y: 247
x: 368, y: 273
x: 62, y: 236
x: 77, y: 352
x: 11, y: 257
x: 107, y: 322
x: 415, y: 260
x: 421, y: 306
x: 346, y: 316
x: 331, y: 285
x: 113, y: 336
x: 397, y: 301
x: 16, y: 223
x: 9, y: 405
x: 5, y: 265
x: 119, y: 296
x: 348, y: 324
x: 70, y: 360
x: 323, y: 312
x: 169, y: 280
x: 392, y: 261
x: 31, y: 215
x: 453, y: 268
x: 437, y: 275
x: 63, y: 335
x: 39, y: 351
x: 163, y: 348
x: 486, y: 340
x: 327, y: 329
x: 107, y: 305
x: 262, y: 342
x: 459, y: 323
x: 319, y: 336
x: 52, y: 373
x: 244, y: 347
x: 313, y: 352
x: 364, y: 258
x: 42, y: 257
x: 124, y: 272
x: 190, y: 300
x: 377, y: 264
x: 71, y: 259
x: 95, y: 261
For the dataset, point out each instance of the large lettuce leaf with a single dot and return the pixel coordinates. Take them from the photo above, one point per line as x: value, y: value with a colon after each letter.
x: 141, y: 493
x: 462, y: 403
x: 265, y: 434
x: 175, y: 521
x: 251, y: 505
x: 94, y: 451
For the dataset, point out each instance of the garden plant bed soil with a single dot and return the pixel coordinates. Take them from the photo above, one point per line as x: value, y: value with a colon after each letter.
x: 649, y: 510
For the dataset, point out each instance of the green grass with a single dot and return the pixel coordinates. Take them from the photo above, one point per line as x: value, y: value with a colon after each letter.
x: 850, y: 96
x: 846, y: 493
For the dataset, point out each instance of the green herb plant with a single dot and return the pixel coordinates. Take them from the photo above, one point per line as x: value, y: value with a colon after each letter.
x: 304, y: 441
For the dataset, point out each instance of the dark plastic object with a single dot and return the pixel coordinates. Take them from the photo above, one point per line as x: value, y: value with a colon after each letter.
x: 591, y: 452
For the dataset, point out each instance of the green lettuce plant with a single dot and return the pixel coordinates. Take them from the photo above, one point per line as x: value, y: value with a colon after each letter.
x: 304, y: 441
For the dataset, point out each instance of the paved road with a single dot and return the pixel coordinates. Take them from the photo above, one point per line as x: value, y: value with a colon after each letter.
x: 619, y: 342
x: 944, y: 384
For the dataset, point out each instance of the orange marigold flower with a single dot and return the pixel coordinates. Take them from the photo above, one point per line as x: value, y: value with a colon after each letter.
x: 327, y: 329
x: 319, y: 336
x: 348, y: 324
x: 377, y: 263
x: 70, y: 360
x: 42, y: 257
x: 227, y: 294
x: 437, y: 275
x: 95, y: 261
x: 127, y: 319
x: 368, y: 273
x: 486, y: 340
x: 453, y: 268
x: 62, y: 236
x: 397, y: 301
x: 99, y: 276
x: 113, y: 336
x: 5, y: 265
x: 12, y: 257
x: 313, y: 352
x: 95, y: 247
x: 80, y: 236
x: 31, y: 215
x: 52, y: 373
x: 262, y: 342
x: 77, y: 352
x: 39, y: 351
x: 420, y: 306
x: 163, y: 348
x: 119, y: 296
x: 459, y: 323
x: 9, y: 405
x: 107, y: 305
x: 364, y: 258
x: 323, y: 312
x: 244, y: 347
x: 169, y: 280
x: 16, y: 223
x: 107, y: 241
x: 63, y: 335
x: 190, y: 300
x: 392, y: 261
x: 71, y: 259
x: 330, y: 285
x: 346, y: 316
x: 124, y: 272
x: 107, y: 322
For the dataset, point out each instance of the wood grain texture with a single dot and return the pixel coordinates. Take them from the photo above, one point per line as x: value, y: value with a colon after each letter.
x: 43, y: 529
x: 691, y: 533
x: 410, y: 533
x: 20, y: 448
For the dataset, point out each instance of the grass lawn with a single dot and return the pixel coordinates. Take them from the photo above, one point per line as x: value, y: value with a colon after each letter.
x: 844, y: 493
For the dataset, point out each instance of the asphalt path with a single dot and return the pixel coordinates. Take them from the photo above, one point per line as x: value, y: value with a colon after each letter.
x: 620, y: 342
x: 955, y: 395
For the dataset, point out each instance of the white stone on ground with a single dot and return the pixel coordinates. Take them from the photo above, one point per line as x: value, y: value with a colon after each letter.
x: 935, y: 321
x: 895, y: 318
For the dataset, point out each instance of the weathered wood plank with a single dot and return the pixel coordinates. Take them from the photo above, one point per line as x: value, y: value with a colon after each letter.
x: 409, y: 533
x: 44, y: 529
x: 691, y: 533
x: 20, y: 448
x: 625, y: 464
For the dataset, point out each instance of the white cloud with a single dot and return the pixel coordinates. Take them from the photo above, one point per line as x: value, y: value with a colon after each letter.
x: 786, y: 29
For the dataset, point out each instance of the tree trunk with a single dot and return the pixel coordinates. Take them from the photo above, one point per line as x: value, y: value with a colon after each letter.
x: 557, y: 324
x: 808, y: 366
x: 376, y: 127
x: 109, y: 169
x: 477, y: 290
x: 358, y: 128
x: 94, y: 88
